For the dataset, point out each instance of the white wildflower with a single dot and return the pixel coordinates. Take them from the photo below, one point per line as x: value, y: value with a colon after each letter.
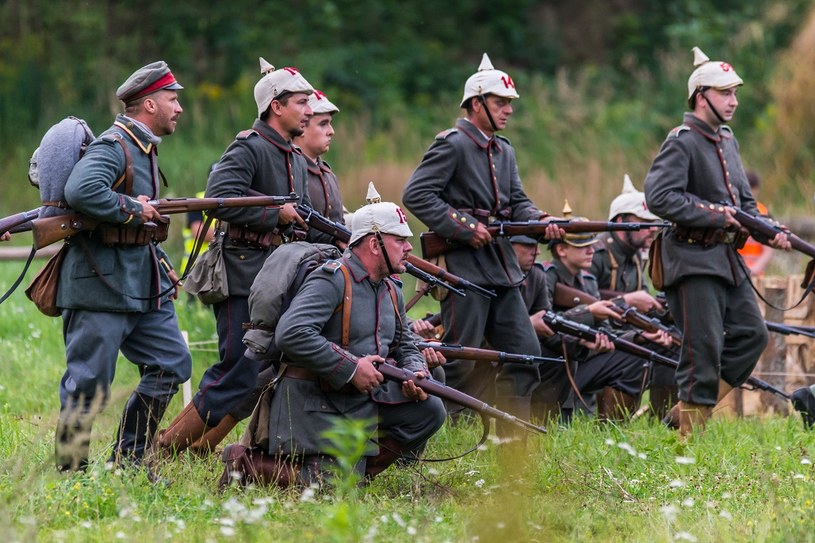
x: 609, y: 442
x: 677, y: 483
x: 479, y: 483
x: 411, y: 530
x: 685, y: 460
x: 120, y: 535
x: 228, y: 531
x: 308, y: 494
x: 799, y: 476
x: 432, y: 471
x: 643, y: 456
x: 806, y: 461
x: 777, y: 448
x: 438, y: 519
x: 383, y: 519
x: 398, y: 519
x: 688, y: 502
x: 685, y: 536
x: 670, y: 512
x: 727, y: 496
x: 627, y: 448
x: 725, y: 514
x: 501, y: 525
x: 86, y: 524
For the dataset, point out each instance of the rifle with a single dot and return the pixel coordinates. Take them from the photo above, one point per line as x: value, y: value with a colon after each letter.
x: 762, y: 228
x: 417, y: 267
x: 484, y: 355
x: 52, y: 229
x: 777, y: 327
x: 571, y: 328
x: 449, y: 394
x: 433, y: 245
x: 566, y: 296
x: 12, y: 222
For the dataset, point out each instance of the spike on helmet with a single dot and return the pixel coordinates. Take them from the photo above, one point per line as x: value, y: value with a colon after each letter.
x: 488, y: 80
x: 711, y: 73
x: 378, y: 216
x: 630, y: 202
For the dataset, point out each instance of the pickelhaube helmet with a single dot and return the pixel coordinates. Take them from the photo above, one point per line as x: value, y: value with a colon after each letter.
x: 275, y: 83
x: 630, y: 202
x: 576, y: 239
x: 488, y: 80
x: 378, y: 216
x: 711, y: 73
x: 319, y: 103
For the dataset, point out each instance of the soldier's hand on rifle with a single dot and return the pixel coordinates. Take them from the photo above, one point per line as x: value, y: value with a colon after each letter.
x: 553, y: 231
x: 433, y: 357
x: 288, y: 214
x: 601, y: 343
x: 411, y: 391
x: 148, y: 212
x: 660, y: 337
x: 5, y: 237
x: 423, y: 328
x: 482, y: 236
x: 603, y: 309
x: 541, y: 328
x: 642, y: 301
x: 781, y: 241
x: 366, y: 377
x: 730, y: 218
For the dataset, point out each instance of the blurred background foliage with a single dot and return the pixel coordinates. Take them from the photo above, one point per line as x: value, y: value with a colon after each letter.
x: 601, y: 81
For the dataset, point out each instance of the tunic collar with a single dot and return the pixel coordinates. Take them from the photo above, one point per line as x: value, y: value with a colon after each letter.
x: 698, y: 125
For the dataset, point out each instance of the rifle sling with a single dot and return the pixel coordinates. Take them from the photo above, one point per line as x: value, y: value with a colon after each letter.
x: 19, y: 279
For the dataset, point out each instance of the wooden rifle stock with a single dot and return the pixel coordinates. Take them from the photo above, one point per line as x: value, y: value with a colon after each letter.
x: 566, y: 296
x: 484, y: 355
x: 10, y: 223
x: 49, y: 230
x: 433, y: 245
x: 762, y: 228
x: 434, y: 388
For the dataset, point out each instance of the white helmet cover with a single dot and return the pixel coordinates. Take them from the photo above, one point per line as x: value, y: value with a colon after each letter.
x: 488, y: 80
x: 711, y: 73
x: 630, y: 202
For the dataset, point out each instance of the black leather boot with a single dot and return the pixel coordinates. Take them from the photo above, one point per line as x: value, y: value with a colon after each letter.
x: 139, y: 423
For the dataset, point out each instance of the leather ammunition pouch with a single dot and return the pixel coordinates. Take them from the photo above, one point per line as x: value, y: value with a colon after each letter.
x: 708, y: 237
x: 250, y: 238
x: 487, y: 216
x: 117, y: 235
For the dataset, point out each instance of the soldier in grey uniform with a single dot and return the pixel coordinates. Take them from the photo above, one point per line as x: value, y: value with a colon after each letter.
x: 616, y: 377
x: 697, y: 169
x: 261, y: 159
x: 619, y: 268
x: 468, y: 178
x: 323, y: 187
x: 116, y: 283
x: 331, y: 349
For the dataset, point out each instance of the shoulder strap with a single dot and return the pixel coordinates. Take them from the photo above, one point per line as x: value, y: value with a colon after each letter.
x: 346, y: 309
x: 126, y: 177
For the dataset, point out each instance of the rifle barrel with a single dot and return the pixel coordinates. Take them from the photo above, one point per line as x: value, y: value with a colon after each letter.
x: 10, y: 223
x: 445, y: 392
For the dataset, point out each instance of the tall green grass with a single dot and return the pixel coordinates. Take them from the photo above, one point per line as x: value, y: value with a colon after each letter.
x: 743, y: 480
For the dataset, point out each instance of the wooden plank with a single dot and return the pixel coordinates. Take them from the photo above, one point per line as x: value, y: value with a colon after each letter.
x: 21, y: 253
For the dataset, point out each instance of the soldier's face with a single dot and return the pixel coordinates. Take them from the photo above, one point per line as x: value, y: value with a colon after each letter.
x: 398, y: 250
x: 293, y: 115
x: 526, y: 254
x: 725, y: 102
x: 166, y: 110
x: 317, y: 135
x: 576, y: 258
x: 499, y: 107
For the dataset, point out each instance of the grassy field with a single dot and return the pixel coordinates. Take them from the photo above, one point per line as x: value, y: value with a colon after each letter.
x: 743, y: 480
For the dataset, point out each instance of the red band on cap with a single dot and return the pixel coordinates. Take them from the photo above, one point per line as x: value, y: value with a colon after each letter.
x: 164, y: 81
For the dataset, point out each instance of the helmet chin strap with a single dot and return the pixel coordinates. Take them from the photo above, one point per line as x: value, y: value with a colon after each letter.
x: 381, y: 242
x: 713, y: 109
x: 483, y: 101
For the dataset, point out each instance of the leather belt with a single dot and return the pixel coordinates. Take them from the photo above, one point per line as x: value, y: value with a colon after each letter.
x: 708, y: 237
x: 295, y: 372
x: 485, y: 216
x: 239, y: 235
